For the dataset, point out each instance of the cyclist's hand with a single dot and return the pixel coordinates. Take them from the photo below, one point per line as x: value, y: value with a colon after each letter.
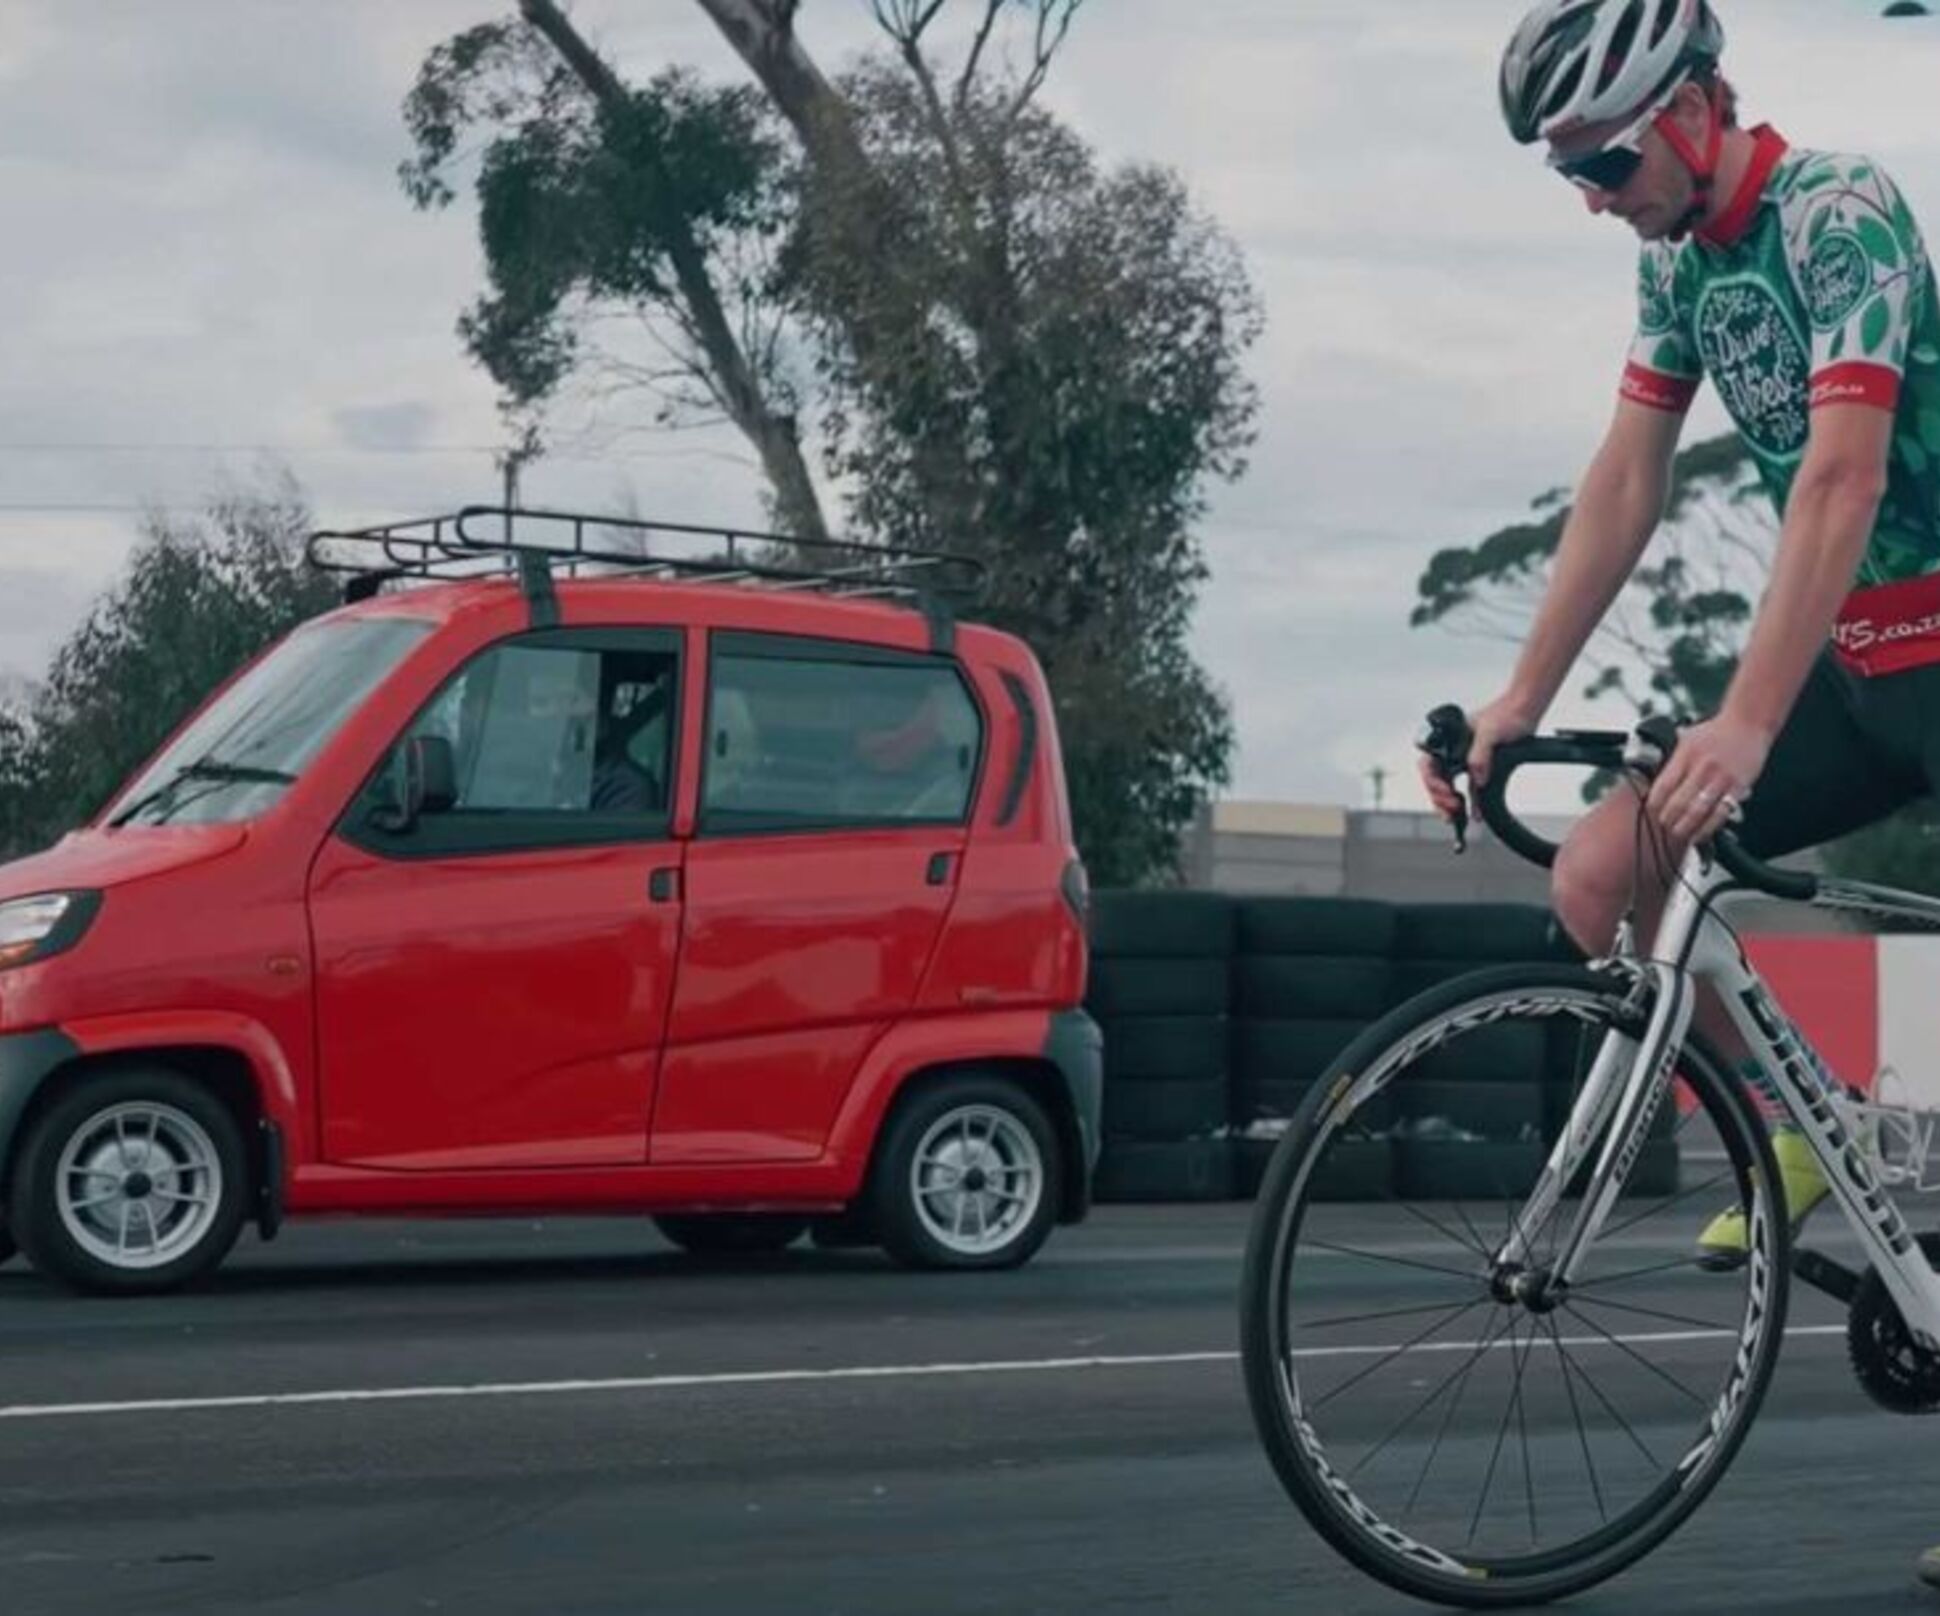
x: 1501, y: 720
x: 1709, y: 774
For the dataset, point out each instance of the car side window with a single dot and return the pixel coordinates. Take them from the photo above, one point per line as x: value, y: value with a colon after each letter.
x: 801, y: 741
x: 554, y: 738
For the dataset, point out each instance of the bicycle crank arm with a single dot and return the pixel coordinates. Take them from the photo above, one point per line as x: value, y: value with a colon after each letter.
x: 1823, y: 1273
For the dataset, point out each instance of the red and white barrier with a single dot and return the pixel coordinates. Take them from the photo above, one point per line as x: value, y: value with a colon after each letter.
x: 1865, y: 1002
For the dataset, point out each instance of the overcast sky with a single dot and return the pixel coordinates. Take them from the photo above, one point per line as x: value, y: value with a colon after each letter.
x: 207, y: 267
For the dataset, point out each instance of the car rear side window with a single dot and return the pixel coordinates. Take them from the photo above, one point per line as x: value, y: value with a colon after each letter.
x: 799, y: 739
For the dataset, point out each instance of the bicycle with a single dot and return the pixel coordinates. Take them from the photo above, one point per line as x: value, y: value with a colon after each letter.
x: 1483, y: 1321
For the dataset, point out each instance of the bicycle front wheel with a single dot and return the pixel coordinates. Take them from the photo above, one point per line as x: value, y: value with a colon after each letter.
x: 1464, y: 1439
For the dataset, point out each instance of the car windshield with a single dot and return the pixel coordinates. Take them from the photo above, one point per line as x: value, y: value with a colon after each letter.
x: 239, y: 757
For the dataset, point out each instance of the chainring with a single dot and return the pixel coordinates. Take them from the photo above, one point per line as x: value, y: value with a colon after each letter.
x: 1893, y: 1369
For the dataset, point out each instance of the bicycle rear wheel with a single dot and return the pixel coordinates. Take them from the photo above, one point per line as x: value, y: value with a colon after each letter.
x: 1451, y: 1438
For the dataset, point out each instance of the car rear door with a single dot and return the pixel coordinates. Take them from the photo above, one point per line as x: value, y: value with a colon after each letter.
x: 835, y: 789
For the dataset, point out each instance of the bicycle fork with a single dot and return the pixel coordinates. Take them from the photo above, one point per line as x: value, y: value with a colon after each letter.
x: 1619, y: 1099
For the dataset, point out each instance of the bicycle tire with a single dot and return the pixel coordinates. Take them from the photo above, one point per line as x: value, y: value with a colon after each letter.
x: 1283, y: 1413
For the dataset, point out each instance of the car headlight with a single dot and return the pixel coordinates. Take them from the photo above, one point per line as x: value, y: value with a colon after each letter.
x: 33, y: 928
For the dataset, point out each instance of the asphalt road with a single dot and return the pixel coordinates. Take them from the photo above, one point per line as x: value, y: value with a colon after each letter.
x: 575, y: 1418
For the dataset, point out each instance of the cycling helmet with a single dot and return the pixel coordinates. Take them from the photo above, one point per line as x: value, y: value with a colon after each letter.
x: 1576, y: 62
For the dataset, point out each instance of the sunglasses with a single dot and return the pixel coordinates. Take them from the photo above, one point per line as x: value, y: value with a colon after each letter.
x: 1611, y: 165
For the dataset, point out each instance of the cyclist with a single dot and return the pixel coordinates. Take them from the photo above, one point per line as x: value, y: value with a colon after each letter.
x: 1797, y: 282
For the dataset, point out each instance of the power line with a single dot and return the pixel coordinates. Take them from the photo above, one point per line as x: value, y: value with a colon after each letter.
x: 632, y: 452
x: 75, y: 447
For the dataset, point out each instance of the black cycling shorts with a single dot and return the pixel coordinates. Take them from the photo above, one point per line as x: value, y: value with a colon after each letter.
x: 1852, y: 751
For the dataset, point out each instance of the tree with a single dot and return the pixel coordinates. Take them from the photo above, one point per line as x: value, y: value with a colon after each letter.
x: 16, y: 734
x: 1046, y: 376
x: 198, y: 598
x: 1033, y: 360
x: 1013, y: 354
x: 1682, y: 619
x: 612, y: 213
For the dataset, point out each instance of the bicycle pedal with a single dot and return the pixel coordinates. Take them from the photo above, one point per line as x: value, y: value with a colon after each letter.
x: 1823, y: 1273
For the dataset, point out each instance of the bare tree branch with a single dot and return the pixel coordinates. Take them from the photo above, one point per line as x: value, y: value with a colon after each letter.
x: 1053, y: 23
x: 968, y: 76
x: 698, y: 310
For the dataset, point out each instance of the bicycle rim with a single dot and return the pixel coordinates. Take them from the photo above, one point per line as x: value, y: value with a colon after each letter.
x: 1450, y: 1438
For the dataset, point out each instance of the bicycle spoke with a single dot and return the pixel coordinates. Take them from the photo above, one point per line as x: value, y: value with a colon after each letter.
x: 1658, y: 1313
x: 1474, y: 1278
x: 1444, y: 1231
x: 1460, y: 1370
x: 1412, y: 1342
x: 1576, y: 1413
x: 1522, y: 1428
x: 1385, y: 1313
x: 1620, y: 1277
x: 1488, y: 1478
x: 1596, y: 1391
x: 1475, y: 1234
x: 1448, y: 1414
x: 1637, y: 1357
x: 1665, y: 1206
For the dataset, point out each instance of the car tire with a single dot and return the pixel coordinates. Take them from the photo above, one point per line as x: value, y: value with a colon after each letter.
x: 133, y: 1181
x: 732, y: 1234
x: 1009, y: 1178
x: 8, y: 1250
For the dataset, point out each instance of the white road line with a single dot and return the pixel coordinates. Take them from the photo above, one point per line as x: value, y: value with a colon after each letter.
x: 774, y: 1377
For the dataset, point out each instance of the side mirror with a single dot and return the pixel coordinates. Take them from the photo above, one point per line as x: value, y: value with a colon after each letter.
x: 424, y: 780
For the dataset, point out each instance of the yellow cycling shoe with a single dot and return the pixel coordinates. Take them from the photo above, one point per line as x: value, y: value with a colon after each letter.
x: 1927, y: 1568
x: 1724, y: 1243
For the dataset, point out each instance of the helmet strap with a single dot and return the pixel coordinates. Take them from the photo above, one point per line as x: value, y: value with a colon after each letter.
x: 1703, y: 165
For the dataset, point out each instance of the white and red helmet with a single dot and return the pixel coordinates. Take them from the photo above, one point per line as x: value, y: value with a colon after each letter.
x: 1577, y: 62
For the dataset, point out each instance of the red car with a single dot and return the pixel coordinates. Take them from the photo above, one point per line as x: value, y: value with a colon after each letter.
x: 737, y: 892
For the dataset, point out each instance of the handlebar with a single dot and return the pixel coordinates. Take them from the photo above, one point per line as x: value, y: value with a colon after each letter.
x: 1447, y: 739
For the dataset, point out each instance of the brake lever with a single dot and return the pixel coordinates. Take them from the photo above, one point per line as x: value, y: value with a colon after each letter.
x: 1446, y: 738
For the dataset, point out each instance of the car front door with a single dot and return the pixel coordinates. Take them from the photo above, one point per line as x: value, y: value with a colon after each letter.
x: 836, y: 785
x: 493, y: 981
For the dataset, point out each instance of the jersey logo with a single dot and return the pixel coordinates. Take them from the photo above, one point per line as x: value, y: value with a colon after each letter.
x: 1758, y: 363
x: 1656, y: 307
x: 1837, y: 276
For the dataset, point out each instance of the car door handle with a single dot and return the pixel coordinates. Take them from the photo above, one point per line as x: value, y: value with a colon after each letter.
x: 939, y: 870
x: 663, y: 885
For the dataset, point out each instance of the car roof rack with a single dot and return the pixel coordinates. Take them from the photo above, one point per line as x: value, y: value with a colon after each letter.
x: 534, y: 546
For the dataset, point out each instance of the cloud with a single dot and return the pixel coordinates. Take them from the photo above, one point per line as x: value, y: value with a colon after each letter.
x: 207, y: 246
x: 385, y: 426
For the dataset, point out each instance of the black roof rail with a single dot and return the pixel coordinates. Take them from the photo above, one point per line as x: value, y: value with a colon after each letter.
x: 534, y: 545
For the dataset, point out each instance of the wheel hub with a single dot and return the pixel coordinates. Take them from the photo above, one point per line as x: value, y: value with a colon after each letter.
x: 1536, y: 1289
x: 977, y: 1178
x: 138, y: 1184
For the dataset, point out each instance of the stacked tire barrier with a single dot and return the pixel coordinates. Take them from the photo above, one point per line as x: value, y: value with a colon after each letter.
x: 1309, y: 974
x: 1475, y: 1123
x: 1220, y: 1013
x: 1160, y: 987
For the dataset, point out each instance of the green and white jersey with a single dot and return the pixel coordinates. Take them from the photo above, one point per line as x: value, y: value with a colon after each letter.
x: 1812, y: 288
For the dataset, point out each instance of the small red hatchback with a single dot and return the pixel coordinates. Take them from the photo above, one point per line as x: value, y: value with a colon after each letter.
x: 739, y: 890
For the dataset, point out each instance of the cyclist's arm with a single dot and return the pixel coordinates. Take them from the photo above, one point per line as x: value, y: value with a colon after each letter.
x: 1828, y: 520
x: 1855, y: 255
x: 1617, y: 509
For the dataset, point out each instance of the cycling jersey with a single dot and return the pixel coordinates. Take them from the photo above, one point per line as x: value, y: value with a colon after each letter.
x: 1813, y: 287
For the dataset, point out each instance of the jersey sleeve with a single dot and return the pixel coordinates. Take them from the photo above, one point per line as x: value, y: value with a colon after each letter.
x: 1663, y: 371
x: 1860, y: 265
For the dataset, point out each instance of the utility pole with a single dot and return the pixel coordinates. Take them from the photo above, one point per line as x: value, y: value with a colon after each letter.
x: 1379, y: 776
x: 512, y: 460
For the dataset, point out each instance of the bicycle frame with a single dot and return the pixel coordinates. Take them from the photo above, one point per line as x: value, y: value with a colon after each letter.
x: 1631, y: 1077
